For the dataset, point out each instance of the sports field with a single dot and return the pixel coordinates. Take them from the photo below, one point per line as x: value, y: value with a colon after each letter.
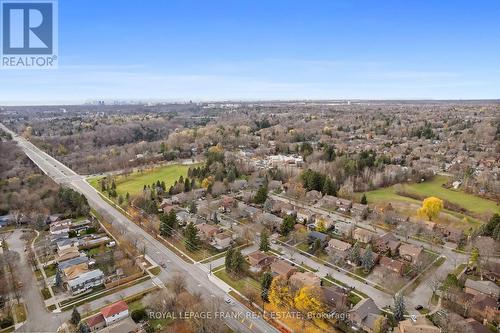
x: 434, y: 188
x: 134, y: 183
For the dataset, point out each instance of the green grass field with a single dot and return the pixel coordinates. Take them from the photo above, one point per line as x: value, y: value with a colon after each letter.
x: 239, y: 284
x: 134, y: 183
x: 434, y: 188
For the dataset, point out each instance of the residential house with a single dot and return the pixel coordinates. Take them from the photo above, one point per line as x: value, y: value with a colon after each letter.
x: 365, y: 314
x: 166, y: 207
x: 52, y: 218
x: 238, y: 184
x: 67, y: 254
x: 473, y: 326
x: 386, y: 243
x: 492, y: 271
x: 299, y: 280
x: 411, y: 253
x: 115, y: 312
x: 79, y: 226
x: 328, y: 201
x: 226, y: 203
x: 57, y: 238
x: 305, y: 215
x: 282, y: 268
x: 482, y: 287
x: 179, y: 199
x: 420, y: 325
x: 452, y: 234
x: 275, y: 185
x: 91, y: 242
x: 258, y: 260
x: 338, y: 246
x: 199, y: 193
x: 96, y: 322
x: 392, y: 265
x: 313, y: 196
x: 75, y: 271
x: 72, y: 262
x: 359, y: 210
x: 316, y: 235
x: 85, y: 281
x: 67, y: 243
x: 248, y: 211
x: 270, y: 220
x: 343, y: 229
x: 483, y: 307
x: 363, y: 235
x: 60, y: 227
x: 221, y: 241
x: 334, y: 297
x: 343, y: 205
x: 207, y: 231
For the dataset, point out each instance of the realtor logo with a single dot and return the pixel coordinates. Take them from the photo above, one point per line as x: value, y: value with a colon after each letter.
x: 29, y: 33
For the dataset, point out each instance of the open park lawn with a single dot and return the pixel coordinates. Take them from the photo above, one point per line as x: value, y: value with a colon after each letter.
x: 434, y: 188
x: 134, y: 183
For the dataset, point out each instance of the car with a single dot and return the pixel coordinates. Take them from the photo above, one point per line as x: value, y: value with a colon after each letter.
x: 163, y: 265
x: 228, y: 300
x: 419, y: 307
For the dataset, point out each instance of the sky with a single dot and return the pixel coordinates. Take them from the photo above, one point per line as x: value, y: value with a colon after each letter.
x: 267, y: 50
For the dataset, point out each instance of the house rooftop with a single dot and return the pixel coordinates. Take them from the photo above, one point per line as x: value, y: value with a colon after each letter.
x: 484, y: 287
x: 114, y: 308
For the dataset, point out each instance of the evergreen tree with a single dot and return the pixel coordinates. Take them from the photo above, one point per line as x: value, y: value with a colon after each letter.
x: 228, y: 259
x: 367, y: 259
x: 58, y: 280
x: 264, y: 241
x: 83, y: 328
x: 192, y: 207
x: 127, y: 196
x: 265, y: 283
x: 354, y: 254
x: 168, y: 223
x: 329, y: 187
x: 187, y: 185
x: 287, y: 225
x: 192, y: 240
x: 399, y: 307
x: 237, y: 262
x: 261, y: 195
x: 316, y: 246
x: 363, y: 199
x: 75, y: 317
x: 113, y: 185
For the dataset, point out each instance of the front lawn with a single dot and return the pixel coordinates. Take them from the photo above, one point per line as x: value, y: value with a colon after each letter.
x: 50, y: 270
x: 238, y: 283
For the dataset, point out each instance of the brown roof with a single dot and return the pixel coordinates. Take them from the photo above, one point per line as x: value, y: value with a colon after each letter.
x: 114, y: 308
x: 207, y: 228
x: 339, y: 245
x: 95, y: 320
x: 409, y: 249
x: 75, y: 270
x: 393, y: 265
x: 281, y: 267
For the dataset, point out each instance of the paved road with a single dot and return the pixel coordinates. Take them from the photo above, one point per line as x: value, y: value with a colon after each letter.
x: 157, y: 251
x: 422, y: 294
x: 31, y: 294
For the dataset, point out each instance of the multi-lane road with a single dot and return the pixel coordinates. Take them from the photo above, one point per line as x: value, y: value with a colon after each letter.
x: 197, y: 280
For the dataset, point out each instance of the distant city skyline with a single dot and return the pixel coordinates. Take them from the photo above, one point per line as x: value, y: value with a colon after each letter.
x: 266, y: 50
